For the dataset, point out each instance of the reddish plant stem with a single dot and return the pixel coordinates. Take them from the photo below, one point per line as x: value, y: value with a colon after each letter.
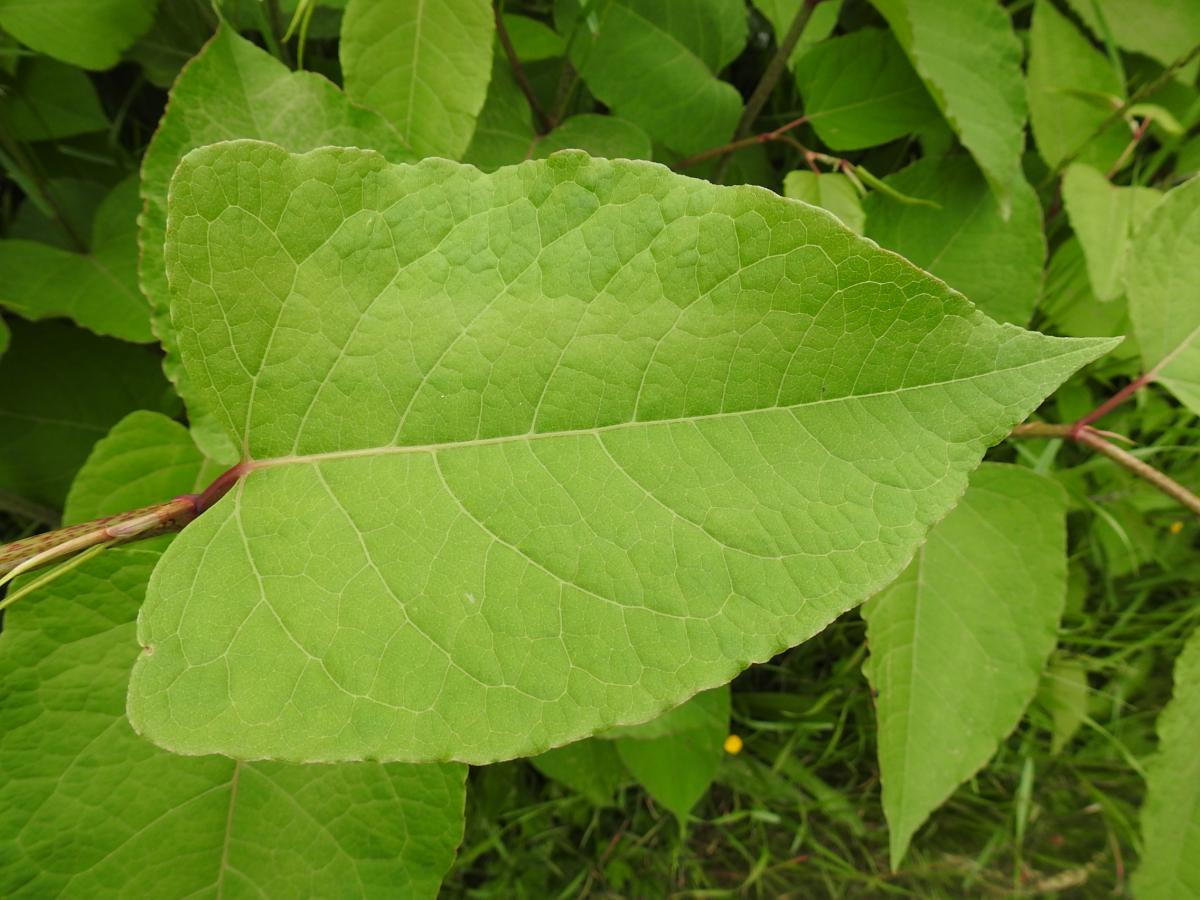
x: 1089, y: 437
x: 55, y: 546
x: 518, y: 71
x: 725, y: 149
x: 1112, y: 402
x: 42, y: 550
x: 1138, y: 134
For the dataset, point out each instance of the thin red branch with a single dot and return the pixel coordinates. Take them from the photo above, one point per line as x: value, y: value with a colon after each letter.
x: 732, y: 146
x: 1113, y: 402
x: 1089, y: 437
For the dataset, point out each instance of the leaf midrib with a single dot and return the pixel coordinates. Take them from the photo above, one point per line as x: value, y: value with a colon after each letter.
x: 392, y: 449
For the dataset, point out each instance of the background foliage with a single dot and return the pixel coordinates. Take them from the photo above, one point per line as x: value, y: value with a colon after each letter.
x: 1015, y: 731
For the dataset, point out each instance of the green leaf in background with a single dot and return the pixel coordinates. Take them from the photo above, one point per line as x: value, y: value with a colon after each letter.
x: 1064, y: 695
x: 590, y: 767
x: 178, y: 33
x: 71, y: 213
x: 1162, y: 29
x: 61, y: 389
x: 676, y: 757
x: 504, y: 132
x: 655, y: 63
x: 860, y: 90
x: 90, y: 34
x: 98, y: 289
x: 220, y: 95
x: 533, y: 40
x: 965, y: 239
x: 970, y: 60
x: 1063, y: 65
x: 821, y: 21
x: 101, y: 812
x: 959, y: 641
x: 634, y: 432
x: 833, y: 192
x: 1170, y: 862
x: 1070, y: 308
x: 49, y: 100
x: 608, y: 137
x: 1105, y: 218
x: 1163, y: 285
x: 424, y: 65
x: 5, y: 337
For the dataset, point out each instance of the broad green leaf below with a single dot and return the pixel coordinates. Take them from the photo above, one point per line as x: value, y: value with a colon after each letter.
x: 424, y: 64
x: 537, y: 453
x: 98, y: 289
x: 959, y: 641
x: 89, y: 809
x: 1163, y: 285
x: 970, y: 60
x: 1170, y: 863
x: 232, y: 89
x: 676, y: 766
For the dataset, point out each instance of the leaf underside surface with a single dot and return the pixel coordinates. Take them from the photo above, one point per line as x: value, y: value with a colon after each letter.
x: 539, y: 452
x: 93, y: 810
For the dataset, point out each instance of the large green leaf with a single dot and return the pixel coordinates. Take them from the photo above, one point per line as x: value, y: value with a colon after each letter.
x: 1163, y: 285
x: 970, y: 60
x: 655, y: 63
x: 1069, y: 80
x: 1162, y: 29
x: 232, y: 89
x: 100, y: 812
x: 1105, y: 218
x: 959, y: 641
x: 539, y: 452
x: 90, y: 34
x: 61, y: 389
x: 1170, y: 866
x: 965, y: 238
x: 49, y: 100
x: 860, y: 90
x: 99, y: 289
x: 424, y: 64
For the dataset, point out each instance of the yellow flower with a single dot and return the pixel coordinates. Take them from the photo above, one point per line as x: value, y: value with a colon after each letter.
x: 733, y: 744
x: 1175, y: 527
